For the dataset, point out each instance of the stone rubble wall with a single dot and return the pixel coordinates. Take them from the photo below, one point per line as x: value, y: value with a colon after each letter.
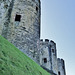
x: 25, y: 34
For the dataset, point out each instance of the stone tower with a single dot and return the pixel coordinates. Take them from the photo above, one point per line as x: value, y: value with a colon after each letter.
x: 22, y: 25
x: 61, y: 67
x: 49, y: 60
x: 48, y: 55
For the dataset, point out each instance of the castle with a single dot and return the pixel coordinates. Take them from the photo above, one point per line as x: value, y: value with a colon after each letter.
x: 20, y: 24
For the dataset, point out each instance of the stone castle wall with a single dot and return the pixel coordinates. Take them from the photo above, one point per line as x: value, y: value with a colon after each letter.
x: 21, y: 25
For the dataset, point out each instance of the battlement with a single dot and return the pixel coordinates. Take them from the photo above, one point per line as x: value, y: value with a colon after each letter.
x: 47, y: 41
x: 52, y: 42
x: 61, y: 60
x: 41, y: 40
x: 61, y: 66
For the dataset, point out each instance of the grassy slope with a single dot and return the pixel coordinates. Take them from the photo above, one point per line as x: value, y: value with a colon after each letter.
x: 14, y: 62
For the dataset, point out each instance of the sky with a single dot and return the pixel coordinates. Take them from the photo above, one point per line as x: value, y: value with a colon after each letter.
x: 58, y: 24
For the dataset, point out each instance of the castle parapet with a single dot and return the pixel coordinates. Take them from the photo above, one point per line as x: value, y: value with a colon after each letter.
x: 52, y: 42
x: 41, y: 40
x: 46, y: 40
x: 61, y: 67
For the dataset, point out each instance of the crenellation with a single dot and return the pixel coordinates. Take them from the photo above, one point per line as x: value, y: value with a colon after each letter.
x: 52, y: 42
x: 41, y: 41
x: 47, y: 40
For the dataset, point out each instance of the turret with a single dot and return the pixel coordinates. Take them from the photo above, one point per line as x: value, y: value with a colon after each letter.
x: 61, y: 67
x: 48, y: 55
x: 53, y: 56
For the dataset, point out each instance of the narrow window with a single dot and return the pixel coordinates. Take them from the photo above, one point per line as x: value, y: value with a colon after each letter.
x: 63, y: 67
x: 58, y: 73
x: 45, y: 60
x: 53, y: 50
x: 18, y: 18
x: 37, y: 9
x: 39, y: 0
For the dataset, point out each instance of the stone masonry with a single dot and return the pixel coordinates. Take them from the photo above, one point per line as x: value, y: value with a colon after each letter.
x: 4, y: 5
x: 20, y: 25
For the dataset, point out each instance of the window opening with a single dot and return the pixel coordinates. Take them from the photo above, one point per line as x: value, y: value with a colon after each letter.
x: 45, y: 60
x: 37, y: 9
x: 53, y: 50
x: 58, y: 73
x: 18, y: 18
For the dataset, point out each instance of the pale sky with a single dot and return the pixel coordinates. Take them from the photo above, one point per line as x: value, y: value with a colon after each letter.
x: 58, y: 24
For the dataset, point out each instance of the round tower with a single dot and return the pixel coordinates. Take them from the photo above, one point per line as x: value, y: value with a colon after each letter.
x: 23, y: 29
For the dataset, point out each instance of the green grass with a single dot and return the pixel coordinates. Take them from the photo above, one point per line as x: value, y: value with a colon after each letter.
x: 14, y: 62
